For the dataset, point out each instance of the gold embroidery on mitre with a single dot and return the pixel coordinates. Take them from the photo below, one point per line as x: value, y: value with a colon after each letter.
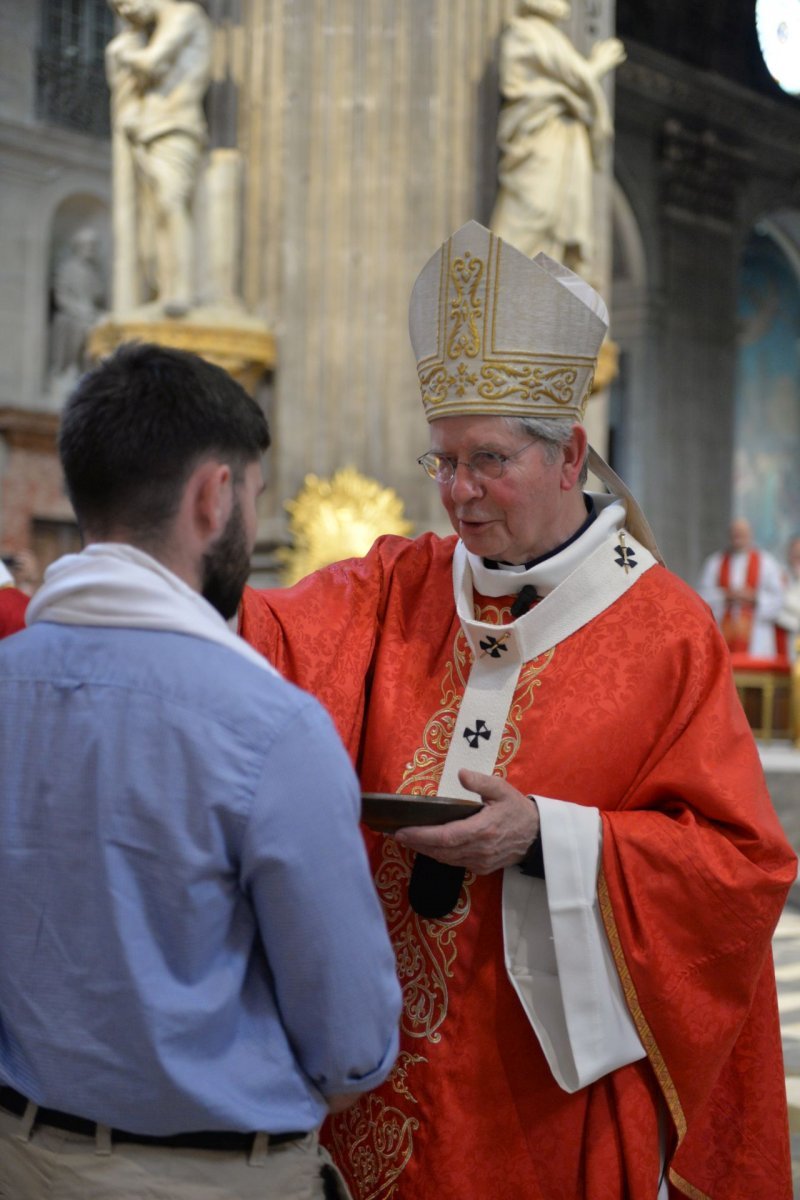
x: 466, y: 307
x: 526, y: 383
x: 529, y: 383
x: 376, y: 1139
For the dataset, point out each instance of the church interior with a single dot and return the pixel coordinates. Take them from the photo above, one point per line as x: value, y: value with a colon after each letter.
x: 343, y: 139
x: 338, y: 142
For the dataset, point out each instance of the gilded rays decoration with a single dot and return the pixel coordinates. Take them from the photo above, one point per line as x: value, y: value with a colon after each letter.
x: 336, y: 518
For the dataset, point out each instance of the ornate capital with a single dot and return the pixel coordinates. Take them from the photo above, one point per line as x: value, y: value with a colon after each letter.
x: 245, y: 348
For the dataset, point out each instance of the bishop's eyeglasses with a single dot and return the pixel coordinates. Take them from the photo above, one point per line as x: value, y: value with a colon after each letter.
x: 483, y: 464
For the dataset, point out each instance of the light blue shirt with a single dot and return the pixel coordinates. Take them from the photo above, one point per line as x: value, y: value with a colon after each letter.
x: 189, y: 934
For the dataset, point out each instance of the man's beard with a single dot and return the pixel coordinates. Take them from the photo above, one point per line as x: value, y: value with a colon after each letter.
x: 226, y: 566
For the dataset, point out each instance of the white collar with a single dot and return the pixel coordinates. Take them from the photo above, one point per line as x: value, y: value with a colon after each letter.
x: 114, y: 584
x: 547, y: 575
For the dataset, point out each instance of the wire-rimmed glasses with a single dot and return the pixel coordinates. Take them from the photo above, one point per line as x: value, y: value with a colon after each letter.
x: 483, y: 464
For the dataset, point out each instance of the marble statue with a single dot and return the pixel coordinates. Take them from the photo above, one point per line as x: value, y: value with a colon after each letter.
x: 553, y: 128
x: 158, y: 69
x: 78, y: 297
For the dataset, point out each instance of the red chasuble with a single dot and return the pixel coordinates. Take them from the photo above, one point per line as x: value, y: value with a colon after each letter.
x: 635, y: 714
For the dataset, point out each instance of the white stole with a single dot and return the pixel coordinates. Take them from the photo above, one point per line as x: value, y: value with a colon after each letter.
x: 600, y: 567
x: 557, y: 955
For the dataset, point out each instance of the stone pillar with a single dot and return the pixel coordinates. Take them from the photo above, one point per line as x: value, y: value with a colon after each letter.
x: 591, y: 21
x: 700, y: 183
x: 223, y: 226
x: 368, y: 129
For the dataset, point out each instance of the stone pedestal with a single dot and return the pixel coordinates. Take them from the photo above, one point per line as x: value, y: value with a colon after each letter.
x: 241, y: 345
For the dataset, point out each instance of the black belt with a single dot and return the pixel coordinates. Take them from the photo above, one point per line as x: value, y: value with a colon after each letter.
x: 213, y: 1139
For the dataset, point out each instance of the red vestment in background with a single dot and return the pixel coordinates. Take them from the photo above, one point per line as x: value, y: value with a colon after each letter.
x: 635, y: 714
x: 737, y: 620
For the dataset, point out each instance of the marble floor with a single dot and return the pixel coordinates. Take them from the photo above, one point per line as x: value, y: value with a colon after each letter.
x: 786, y: 950
x: 782, y: 767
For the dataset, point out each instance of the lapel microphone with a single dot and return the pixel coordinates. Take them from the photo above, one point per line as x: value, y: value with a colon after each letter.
x: 524, y: 601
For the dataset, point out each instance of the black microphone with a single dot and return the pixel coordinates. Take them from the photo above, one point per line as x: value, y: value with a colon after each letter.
x: 434, y: 887
x: 524, y: 600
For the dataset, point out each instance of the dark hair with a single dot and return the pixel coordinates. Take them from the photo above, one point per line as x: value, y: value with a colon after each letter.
x: 137, y: 425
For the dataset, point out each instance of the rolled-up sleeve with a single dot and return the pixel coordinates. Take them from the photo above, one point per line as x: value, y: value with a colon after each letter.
x: 324, y: 935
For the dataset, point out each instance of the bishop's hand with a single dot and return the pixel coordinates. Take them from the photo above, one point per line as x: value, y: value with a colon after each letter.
x: 498, y: 836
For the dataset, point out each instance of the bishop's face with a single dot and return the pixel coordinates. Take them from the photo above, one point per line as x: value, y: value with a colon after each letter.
x: 534, y: 506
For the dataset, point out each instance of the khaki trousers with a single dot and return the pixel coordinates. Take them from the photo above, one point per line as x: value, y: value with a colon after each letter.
x: 42, y: 1163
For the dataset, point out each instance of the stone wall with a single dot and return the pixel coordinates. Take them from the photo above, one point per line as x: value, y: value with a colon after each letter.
x: 368, y: 130
x: 699, y: 161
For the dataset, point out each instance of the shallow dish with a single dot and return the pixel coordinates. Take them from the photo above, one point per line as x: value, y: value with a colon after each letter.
x: 385, y: 812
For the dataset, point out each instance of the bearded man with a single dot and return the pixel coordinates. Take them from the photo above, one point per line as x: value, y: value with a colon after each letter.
x: 194, y: 968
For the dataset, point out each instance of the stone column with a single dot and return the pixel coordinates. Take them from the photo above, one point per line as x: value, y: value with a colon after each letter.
x: 223, y: 232
x: 591, y: 21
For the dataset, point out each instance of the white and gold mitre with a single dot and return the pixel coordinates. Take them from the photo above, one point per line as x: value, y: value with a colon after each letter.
x: 495, y: 332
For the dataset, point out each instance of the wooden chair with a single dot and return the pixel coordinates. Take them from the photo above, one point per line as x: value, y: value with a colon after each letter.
x: 769, y: 677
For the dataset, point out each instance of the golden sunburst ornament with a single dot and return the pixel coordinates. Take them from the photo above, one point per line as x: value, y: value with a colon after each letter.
x: 337, y: 518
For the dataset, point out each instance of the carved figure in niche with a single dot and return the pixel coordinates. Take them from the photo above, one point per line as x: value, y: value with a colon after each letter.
x: 158, y: 69
x: 552, y: 130
x: 78, y: 296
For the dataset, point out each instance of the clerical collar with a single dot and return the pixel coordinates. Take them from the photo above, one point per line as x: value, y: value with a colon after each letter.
x: 547, y: 572
x: 591, y: 515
